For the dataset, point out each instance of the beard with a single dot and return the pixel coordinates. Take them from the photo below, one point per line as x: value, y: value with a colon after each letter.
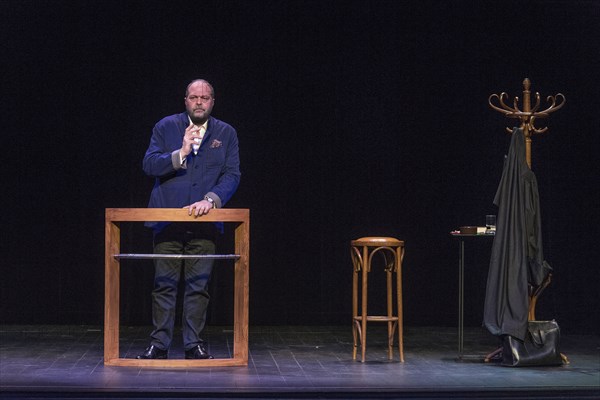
x: 199, y: 115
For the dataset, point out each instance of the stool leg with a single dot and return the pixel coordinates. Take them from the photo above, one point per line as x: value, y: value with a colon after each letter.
x: 355, y: 333
x: 365, y: 270
x: 399, y: 258
x: 390, y: 313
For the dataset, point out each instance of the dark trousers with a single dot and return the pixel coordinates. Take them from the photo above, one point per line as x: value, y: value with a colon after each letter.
x: 179, y: 239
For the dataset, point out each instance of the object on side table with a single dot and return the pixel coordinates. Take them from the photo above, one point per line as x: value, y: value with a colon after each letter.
x: 468, y: 230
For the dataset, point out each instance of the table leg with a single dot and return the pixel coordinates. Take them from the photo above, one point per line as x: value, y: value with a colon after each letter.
x: 461, y: 296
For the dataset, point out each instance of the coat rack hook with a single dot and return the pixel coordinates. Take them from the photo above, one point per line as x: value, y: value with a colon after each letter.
x: 528, y: 115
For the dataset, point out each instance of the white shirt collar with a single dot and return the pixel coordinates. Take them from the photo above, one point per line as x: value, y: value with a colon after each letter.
x: 204, y: 126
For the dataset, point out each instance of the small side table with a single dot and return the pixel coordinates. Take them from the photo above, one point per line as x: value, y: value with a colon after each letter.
x: 461, y: 284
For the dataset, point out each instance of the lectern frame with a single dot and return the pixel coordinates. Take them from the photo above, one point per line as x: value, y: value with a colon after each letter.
x: 112, y: 269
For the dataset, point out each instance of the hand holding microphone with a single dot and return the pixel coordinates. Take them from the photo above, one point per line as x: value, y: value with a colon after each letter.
x: 197, y: 133
x: 193, y: 137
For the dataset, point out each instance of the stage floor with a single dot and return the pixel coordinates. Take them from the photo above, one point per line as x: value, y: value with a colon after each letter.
x: 49, y: 361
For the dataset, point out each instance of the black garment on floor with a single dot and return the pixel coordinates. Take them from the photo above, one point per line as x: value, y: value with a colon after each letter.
x: 517, y: 256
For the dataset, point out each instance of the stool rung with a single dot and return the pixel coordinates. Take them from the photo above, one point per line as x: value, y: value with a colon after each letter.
x: 178, y: 256
x: 377, y: 318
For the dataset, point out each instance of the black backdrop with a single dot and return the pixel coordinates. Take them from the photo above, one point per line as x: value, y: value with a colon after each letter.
x: 355, y: 118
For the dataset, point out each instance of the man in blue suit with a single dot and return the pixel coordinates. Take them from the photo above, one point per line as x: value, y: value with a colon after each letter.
x: 194, y: 159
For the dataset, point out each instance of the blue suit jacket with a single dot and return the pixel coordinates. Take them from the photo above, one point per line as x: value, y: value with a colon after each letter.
x: 214, y: 170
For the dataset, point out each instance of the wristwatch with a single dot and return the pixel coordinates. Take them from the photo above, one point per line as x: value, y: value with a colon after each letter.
x: 210, y: 200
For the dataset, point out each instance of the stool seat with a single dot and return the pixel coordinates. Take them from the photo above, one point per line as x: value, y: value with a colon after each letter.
x: 363, y: 250
x: 377, y: 241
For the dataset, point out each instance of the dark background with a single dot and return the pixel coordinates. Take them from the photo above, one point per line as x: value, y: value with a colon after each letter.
x: 355, y: 118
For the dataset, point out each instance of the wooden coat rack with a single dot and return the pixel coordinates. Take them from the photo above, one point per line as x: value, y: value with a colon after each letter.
x: 528, y: 115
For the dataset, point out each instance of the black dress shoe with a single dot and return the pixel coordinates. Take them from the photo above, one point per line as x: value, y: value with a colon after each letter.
x: 153, y: 353
x: 198, y: 352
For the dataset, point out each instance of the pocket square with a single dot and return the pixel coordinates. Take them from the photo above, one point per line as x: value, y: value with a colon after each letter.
x: 215, y: 143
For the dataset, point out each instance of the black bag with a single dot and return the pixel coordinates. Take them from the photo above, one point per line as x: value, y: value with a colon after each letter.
x: 540, y: 348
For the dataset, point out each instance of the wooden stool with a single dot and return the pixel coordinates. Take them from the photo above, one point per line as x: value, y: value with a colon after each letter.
x: 362, y: 251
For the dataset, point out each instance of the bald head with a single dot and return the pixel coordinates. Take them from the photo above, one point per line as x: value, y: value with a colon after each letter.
x: 197, y: 81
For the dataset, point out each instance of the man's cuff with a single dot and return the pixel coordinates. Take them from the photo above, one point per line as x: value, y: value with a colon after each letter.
x: 216, y: 199
x: 177, y: 162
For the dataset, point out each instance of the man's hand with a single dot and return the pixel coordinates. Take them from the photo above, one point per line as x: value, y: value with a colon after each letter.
x: 199, y: 208
x: 192, y: 133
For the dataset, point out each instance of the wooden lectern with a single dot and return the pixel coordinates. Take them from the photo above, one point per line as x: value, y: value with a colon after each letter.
x: 112, y: 266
